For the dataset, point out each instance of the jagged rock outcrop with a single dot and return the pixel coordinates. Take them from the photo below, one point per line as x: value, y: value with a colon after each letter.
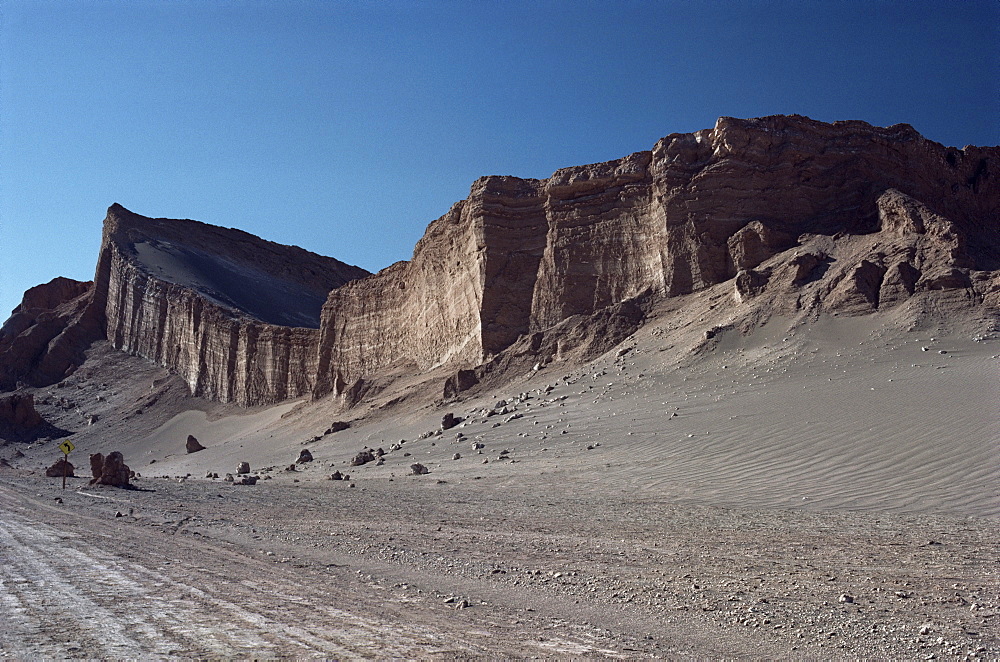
x: 842, y: 216
x: 44, y: 338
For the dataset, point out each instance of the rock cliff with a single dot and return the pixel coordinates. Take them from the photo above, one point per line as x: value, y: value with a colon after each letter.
x: 798, y: 213
x: 236, y: 316
x: 521, y: 255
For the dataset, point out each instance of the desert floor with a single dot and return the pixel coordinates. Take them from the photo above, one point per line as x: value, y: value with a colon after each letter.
x: 828, y: 491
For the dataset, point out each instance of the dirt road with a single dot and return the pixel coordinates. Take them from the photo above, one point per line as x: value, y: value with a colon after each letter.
x: 420, y: 569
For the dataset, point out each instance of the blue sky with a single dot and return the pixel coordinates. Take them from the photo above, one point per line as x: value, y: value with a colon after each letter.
x: 347, y: 127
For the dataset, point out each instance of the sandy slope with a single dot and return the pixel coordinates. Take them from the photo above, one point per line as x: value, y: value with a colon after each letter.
x: 696, y: 497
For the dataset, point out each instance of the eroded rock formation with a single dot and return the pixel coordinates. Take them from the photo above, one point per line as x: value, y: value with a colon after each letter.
x: 518, y: 268
x: 236, y: 316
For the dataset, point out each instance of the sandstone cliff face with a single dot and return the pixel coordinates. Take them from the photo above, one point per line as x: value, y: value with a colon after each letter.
x: 521, y: 255
x: 227, y: 311
x: 766, y: 202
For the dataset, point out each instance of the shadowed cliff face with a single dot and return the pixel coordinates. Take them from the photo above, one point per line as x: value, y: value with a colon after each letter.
x: 766, y: 202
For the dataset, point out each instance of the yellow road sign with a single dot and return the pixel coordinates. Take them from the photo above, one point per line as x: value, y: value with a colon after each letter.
x: 66, y: 447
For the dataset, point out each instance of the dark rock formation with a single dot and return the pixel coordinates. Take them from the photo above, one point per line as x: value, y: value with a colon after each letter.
x: 418, y: 469
x: 304, y: 456
x: 449, y: 421
x: 17, y: 411
x: 110, y: 470
x: 193, y: 445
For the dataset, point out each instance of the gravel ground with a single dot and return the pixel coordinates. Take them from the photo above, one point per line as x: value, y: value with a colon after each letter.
x: 415, y: 567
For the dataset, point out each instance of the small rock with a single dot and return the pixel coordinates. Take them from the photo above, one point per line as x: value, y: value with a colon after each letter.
x: 418, y: 469
x: 243, y: 468
x: 304, y: 456
x: 456, y: 456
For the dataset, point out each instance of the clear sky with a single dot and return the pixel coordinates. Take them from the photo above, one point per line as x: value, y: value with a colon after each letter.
x: 347, y: 127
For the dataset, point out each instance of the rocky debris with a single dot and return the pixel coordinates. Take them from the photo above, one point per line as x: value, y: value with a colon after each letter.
x: 449, y: 421
x: 110, y: 470
x: 17, y: 411
x: 418, y: 469
x: 363, y: 457
x: 60, y: 467
x: 337, y: 426
x: 246, y: 480
x: 304, y: 456
x: 336, y: 475
x: 243, y: 468
x: 192, y: 445
x: 229, y: 478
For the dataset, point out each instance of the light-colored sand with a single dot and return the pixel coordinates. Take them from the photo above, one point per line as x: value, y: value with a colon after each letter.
x: 843, y: 414
x: 809, y: 490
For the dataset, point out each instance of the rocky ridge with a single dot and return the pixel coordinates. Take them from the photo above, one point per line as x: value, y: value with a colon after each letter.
x: 801, y: 215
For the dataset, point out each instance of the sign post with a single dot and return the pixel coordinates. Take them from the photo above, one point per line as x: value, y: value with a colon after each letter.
x: 66, y: 447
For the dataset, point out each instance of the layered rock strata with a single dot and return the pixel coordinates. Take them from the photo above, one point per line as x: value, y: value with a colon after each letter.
x: 247, y: 321
x: 521, y: 255
x: 236, y: 316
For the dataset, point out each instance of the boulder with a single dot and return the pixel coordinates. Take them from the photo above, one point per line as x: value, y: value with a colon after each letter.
x: 337, y: 426
x: 110, y: 470
x: 418, y: 469
x: 243, y: 468
x: 193, y: 446
x: 462, y: 380
x: 449, y: 421
x: 304, y: 456
x: 364, y: 457
x: 61, y: 467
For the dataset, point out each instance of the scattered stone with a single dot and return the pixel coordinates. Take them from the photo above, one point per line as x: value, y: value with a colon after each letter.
x: 449, y: 421
x: 418, y: 469
x: 243, y: 468
x: 846, y: 599
x: 193, y: 446
x: 61, y: 467
x: 336, y: 475
x: 229, y: 478
x: 304, y: 456
x: 364, y: 457
x: 456, y: 456
x: 246, y: 480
